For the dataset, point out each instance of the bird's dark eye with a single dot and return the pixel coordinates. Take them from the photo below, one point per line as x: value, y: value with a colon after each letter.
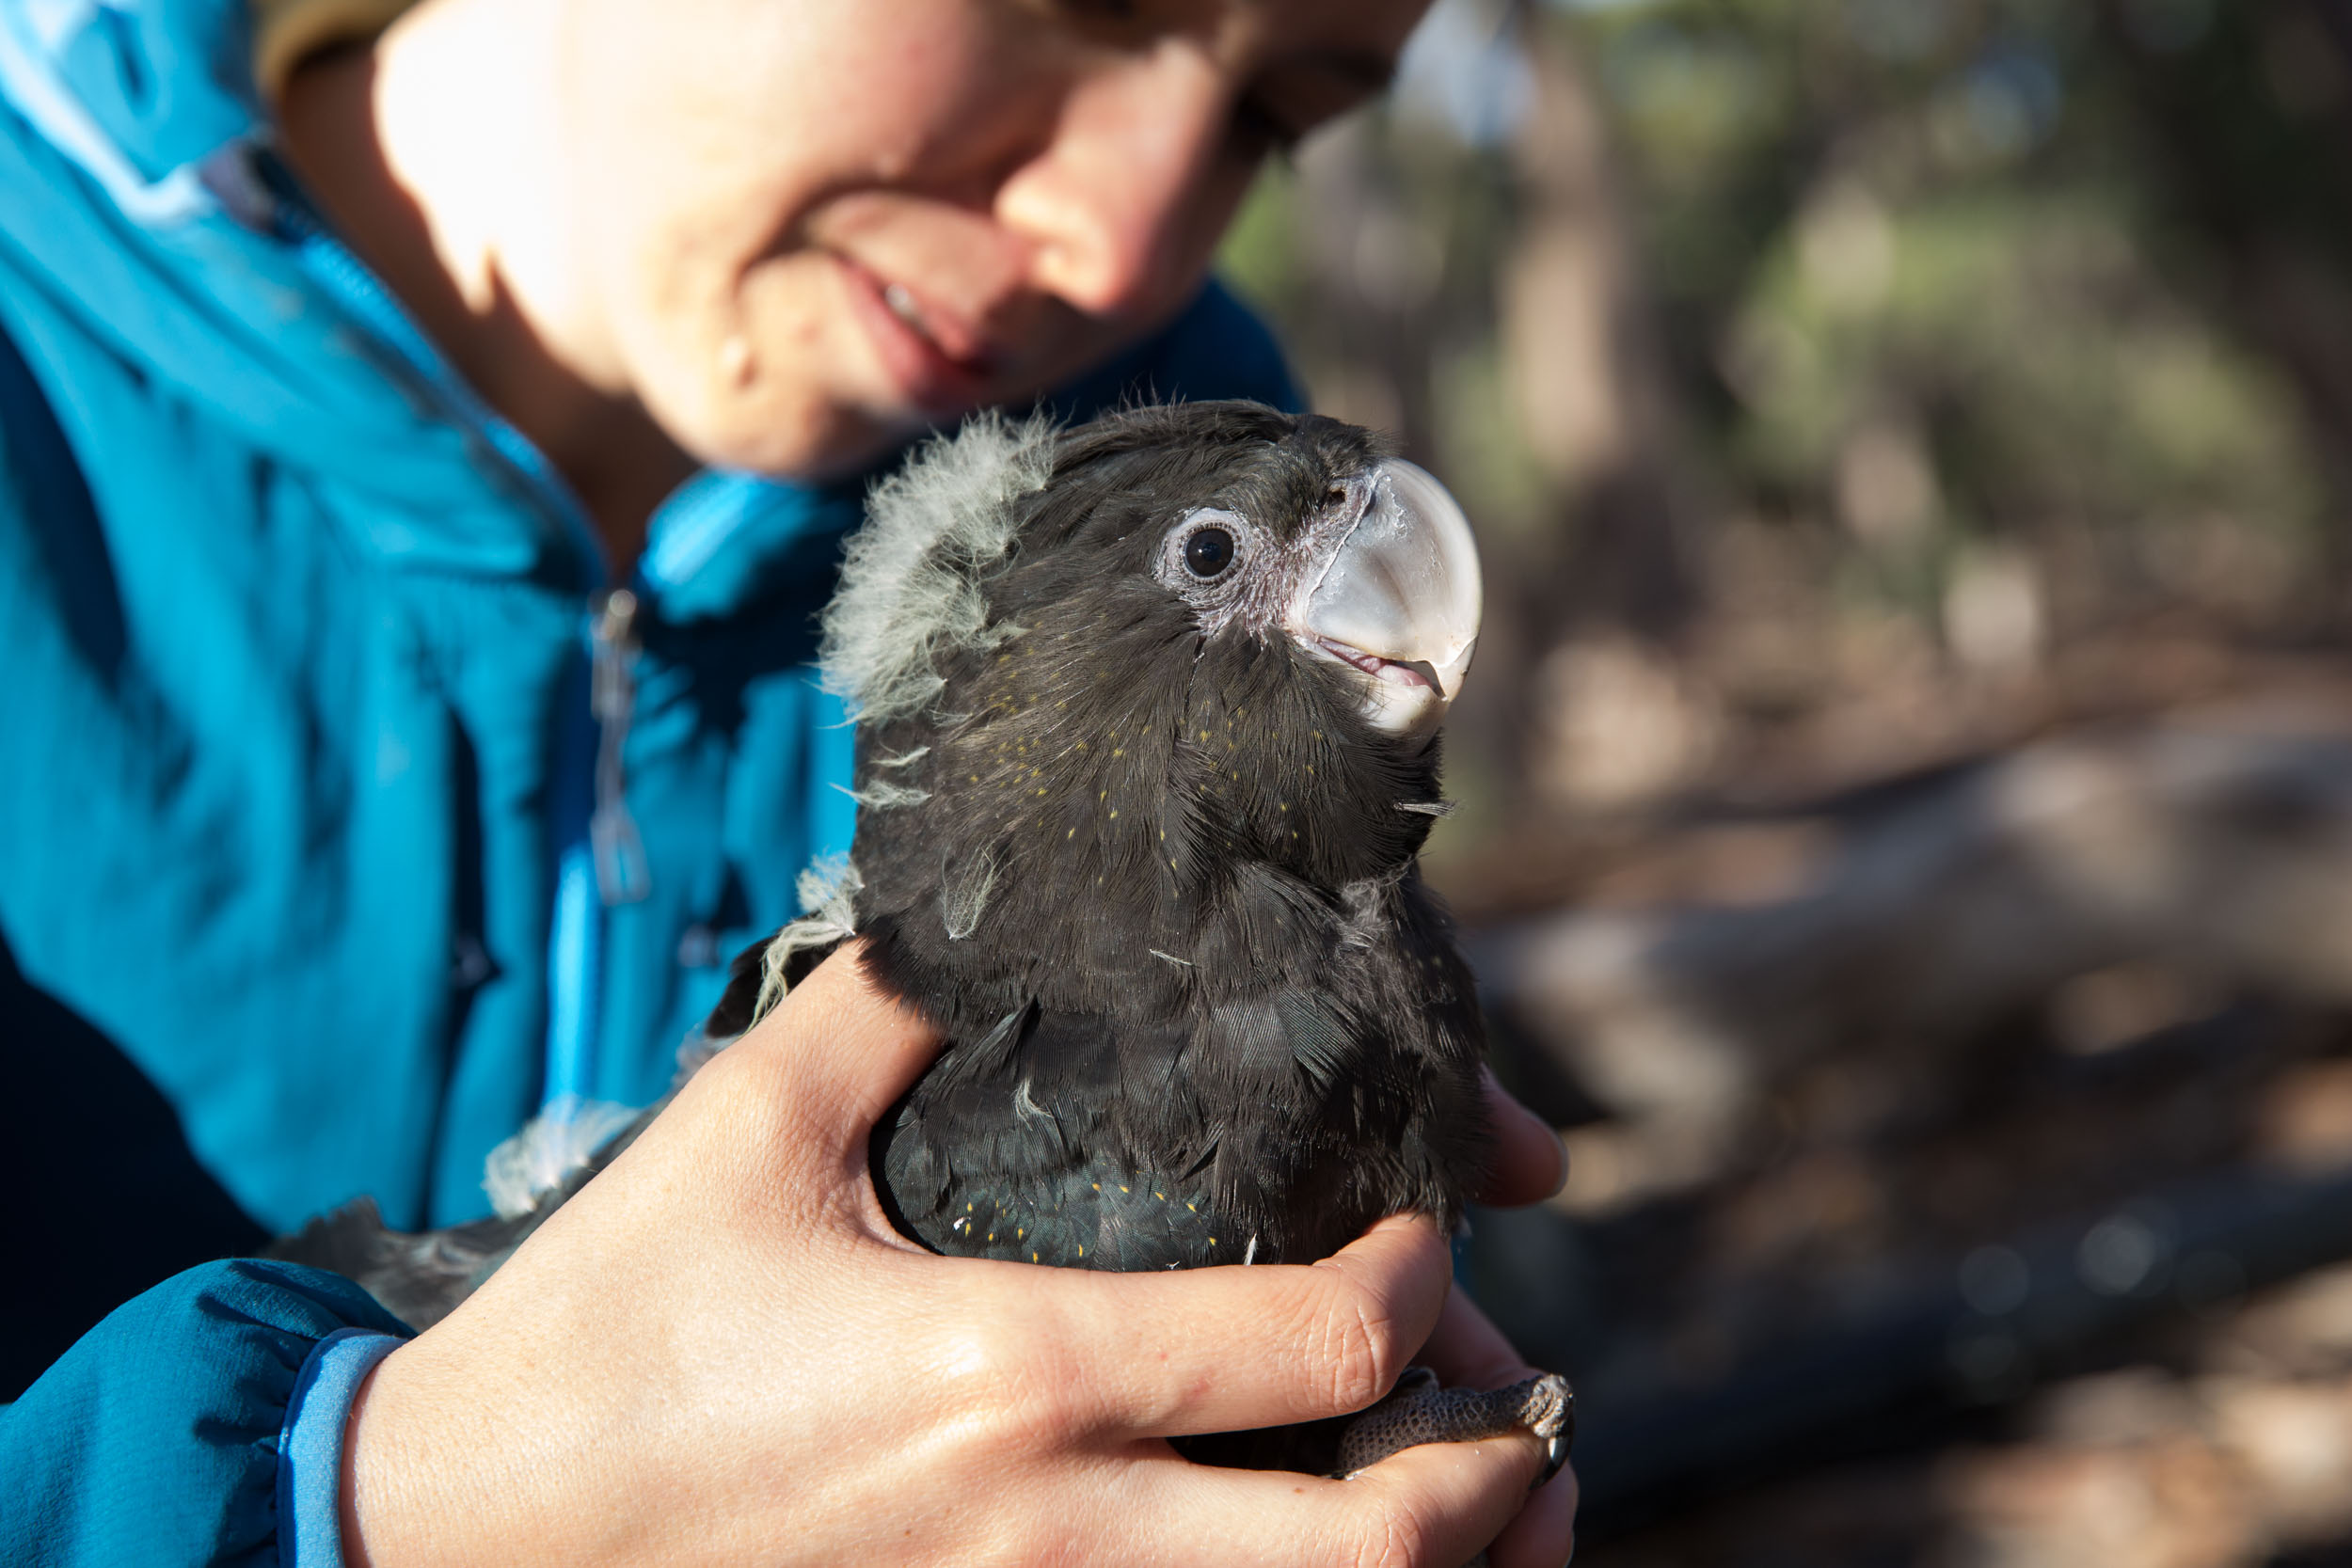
x: 1208, y: 552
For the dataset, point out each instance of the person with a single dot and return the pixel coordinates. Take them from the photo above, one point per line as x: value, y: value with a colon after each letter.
x: 424, y: 433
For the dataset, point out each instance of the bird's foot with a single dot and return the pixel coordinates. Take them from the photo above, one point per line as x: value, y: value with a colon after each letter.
x: 1417, y: 1411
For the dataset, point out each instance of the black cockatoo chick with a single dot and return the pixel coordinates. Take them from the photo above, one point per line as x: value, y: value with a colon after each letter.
x: 1148, y: 745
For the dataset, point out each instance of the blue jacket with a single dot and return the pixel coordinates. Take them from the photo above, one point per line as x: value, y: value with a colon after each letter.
x: 310, y: 885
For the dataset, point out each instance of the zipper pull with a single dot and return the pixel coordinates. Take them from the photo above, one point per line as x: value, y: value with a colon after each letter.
x: 620, y: 855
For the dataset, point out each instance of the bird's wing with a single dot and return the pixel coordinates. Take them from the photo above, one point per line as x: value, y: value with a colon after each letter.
x: 1021, y: 1149
x: 1095, y: 1142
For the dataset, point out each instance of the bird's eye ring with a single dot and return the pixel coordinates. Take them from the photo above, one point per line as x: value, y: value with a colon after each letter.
x: 1208, y: 552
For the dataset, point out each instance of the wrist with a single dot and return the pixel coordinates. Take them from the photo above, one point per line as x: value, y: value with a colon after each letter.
x: 310, y: 1443
x: 356, y: 1552
x: 399, y: 1477
x: 456, y: 1450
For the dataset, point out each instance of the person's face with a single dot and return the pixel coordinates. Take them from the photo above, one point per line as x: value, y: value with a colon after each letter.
x: 812, y: 227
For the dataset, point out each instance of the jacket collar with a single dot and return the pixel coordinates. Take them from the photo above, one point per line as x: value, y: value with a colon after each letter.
x: 139, y: 193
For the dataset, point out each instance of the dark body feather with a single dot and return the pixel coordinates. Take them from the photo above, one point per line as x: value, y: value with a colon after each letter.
x: 1161, y: 896
x: 1151, y: 868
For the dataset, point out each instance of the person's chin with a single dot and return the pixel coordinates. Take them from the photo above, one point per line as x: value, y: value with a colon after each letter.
x: 812, y: 434
x: 783, y: 436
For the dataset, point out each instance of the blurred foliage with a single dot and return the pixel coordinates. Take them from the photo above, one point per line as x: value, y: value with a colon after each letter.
x: 1977, y: 328
x: 1858, y: 401
x: 1879, y: 225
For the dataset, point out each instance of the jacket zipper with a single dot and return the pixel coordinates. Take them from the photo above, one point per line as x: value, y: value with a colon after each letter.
x: 620, y: 854
x: 576, y: 927
x: 601, y: 861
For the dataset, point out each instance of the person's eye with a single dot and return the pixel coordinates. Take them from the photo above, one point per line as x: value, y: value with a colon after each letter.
x: 1293, y: 101
x: 1094, y: 14
x: 1259, y: 129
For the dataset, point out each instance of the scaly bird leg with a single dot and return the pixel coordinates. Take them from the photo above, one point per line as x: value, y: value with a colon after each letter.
x: 1417, y: 1411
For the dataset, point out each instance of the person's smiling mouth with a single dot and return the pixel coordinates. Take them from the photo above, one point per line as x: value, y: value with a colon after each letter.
x: 939, y: 362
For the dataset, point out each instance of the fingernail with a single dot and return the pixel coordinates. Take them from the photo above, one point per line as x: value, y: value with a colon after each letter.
x: 1558, y: 1182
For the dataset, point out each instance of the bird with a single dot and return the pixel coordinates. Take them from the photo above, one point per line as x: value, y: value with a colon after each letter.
x: 1149, y: 722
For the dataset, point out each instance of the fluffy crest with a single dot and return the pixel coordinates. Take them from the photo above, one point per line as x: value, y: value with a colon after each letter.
x: 909, y: 582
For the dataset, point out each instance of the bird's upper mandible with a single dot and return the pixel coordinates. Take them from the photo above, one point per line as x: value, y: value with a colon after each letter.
x: 1398, y: 596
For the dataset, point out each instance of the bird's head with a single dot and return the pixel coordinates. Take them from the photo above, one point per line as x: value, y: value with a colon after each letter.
x: 1171, y: 651
x: 1263, y: 534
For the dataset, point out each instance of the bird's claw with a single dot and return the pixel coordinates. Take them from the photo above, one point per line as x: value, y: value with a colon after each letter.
x: 1417, y: 1411
x: 1552, y: 1416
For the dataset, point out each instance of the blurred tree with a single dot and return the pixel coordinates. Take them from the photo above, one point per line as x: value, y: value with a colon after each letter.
x: 2247, y: 112
x: 1858, y: 356
x: 1854, y: 398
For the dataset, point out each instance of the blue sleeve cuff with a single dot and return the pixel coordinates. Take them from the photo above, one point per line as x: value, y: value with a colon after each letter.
x: 158, y: 1437
x: 310, y: 1446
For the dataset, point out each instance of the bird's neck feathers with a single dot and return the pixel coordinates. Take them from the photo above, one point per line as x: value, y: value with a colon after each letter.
x: 1066, y: 787
x: 1110, y: 814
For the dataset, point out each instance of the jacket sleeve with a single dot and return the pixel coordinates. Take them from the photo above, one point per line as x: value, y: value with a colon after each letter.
x: 200, y: 1423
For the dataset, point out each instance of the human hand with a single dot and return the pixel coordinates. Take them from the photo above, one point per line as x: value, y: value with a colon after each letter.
x: 721, y: 1352
x: 1467, y: 1350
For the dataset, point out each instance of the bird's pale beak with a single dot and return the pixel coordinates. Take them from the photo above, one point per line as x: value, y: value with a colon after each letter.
x: 1399, y: 600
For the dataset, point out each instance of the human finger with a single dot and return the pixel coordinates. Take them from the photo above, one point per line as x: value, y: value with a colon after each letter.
x: 1531, y: 1163
x: 1434, y: 1506
x: 1227, y: 1349
x: 1459, y: 1496
x: 1467, y: 1350
x: 1544, y: 1533
x: 841, y: 1047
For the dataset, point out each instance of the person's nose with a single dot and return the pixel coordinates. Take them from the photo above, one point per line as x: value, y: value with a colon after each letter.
x: 1108, y: 204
